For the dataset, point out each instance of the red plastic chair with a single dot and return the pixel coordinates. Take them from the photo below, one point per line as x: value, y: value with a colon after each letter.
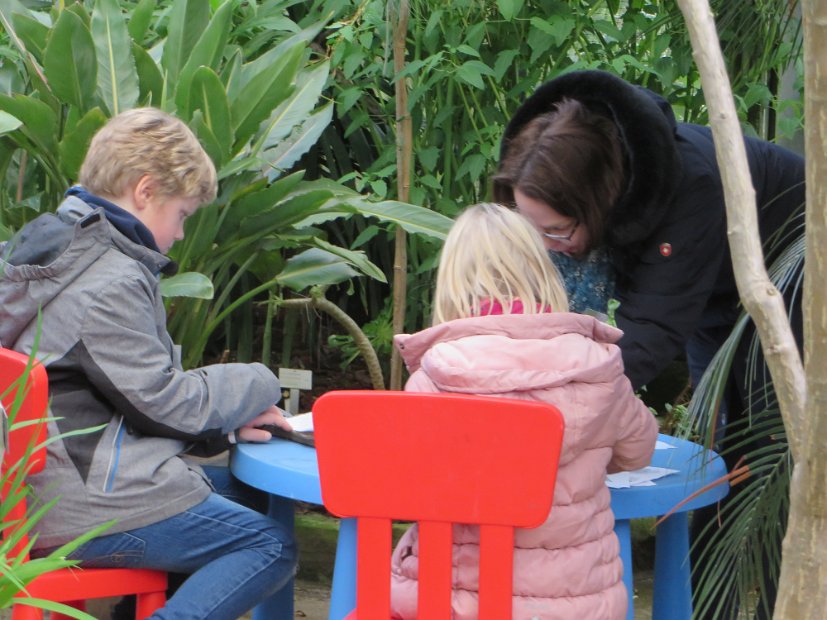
x: 71, y: 586
x: 437, y: 459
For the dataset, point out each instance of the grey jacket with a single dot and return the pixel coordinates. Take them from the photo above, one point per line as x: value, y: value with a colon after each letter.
x: 111, y: 362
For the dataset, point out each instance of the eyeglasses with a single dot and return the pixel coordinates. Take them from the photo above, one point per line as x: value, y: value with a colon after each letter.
x: 557, y: 237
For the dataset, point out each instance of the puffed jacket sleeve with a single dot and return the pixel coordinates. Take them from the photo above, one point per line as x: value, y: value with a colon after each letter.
x: 419, y: 382
x: 638, y: 432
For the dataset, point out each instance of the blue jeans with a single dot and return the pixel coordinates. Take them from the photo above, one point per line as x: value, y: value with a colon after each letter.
x: 236, y: 557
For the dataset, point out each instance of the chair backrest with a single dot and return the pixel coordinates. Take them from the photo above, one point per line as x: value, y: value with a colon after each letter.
x: 24, y: 391
x: 437, y: 459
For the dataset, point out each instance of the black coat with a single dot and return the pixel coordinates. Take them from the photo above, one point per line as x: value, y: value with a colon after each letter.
x: 667, y: 232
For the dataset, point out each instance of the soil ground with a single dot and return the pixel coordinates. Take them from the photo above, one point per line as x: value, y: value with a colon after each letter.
x: 313, y: 600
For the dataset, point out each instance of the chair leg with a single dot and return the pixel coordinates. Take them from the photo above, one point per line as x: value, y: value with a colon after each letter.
x: 147, y: 604
x: 24, y: 612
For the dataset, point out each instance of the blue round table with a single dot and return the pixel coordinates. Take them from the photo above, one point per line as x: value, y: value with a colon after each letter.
x: 289, y: 471
x: 697, y: 469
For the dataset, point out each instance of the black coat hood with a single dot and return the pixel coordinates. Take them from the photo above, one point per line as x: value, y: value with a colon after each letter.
x: 647, y: 128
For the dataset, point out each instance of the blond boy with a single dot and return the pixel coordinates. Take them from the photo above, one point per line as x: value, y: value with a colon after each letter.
x: 91, y: 271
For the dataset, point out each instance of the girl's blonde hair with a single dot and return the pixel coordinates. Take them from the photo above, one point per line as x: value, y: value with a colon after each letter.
x: 493, y: 254
x: 147, y: 141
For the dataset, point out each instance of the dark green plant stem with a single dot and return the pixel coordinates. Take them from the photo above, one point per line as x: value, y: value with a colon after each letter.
x: 288, y: 332
x: 267, y: 337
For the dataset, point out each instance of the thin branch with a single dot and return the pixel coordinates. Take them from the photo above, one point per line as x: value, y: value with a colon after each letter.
x: 319, y: 302
x: 399, y: 12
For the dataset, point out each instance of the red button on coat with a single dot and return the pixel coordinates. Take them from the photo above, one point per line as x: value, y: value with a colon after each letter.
x: 666, y: 249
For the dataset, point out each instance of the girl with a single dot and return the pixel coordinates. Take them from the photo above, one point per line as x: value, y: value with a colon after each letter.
x: 501, y: 328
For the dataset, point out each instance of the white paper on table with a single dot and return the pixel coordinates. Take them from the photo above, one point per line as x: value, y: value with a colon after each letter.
x: 302, y: 423
x: 638, y: 478
x: 662, y: 445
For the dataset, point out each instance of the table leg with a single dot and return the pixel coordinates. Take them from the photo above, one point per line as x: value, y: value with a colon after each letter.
x: 623, y: 530
x: 343, y: 591
x: 672, y: 599
x: 280, y: 605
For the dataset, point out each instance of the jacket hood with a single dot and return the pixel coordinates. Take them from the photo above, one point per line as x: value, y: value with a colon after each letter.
x: 535, y: 351
x: 51, y: 252
x: 647, y: 129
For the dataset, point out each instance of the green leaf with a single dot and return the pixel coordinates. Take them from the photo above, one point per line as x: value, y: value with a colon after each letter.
x: 207, y: 94
x: 207, y: 52
x: 139, y: 20
x: 117, y: 77
x: 70, y: 63
x: 56, y: 607
x: 260, y: 96
x: 558, y: 26
x: 412, y: 218
x: 296, y: 108
x: 315, y: 267
x: 468, y: 50
x: 503, y: 63
x: 473, y: 165
x: 300, y: 141
x: 39, y: 120
x: 509, y: 9
x: 75, y: 143
x: 472, y: 71
x: 188, y: 284
x: 33, y: 34
x: 207, y: 138
x: 150, y: 80
x: 266, y: 217
x: 8, y: 122
x: 252, y: 203
x: 356, y: 258
x: 9, y: 10
x: 271, y: 58
x: 187, y: 20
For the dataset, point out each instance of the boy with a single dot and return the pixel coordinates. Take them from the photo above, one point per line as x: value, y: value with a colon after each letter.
x: 91, y: 270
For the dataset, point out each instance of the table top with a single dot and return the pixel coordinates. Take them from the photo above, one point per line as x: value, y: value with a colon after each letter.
x: 288, y: 469
x: 696, y: 467
x: 280, y: 467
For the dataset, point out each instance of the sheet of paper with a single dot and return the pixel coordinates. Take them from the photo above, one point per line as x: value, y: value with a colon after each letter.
x: 638, y: 478
x: 302, y: 423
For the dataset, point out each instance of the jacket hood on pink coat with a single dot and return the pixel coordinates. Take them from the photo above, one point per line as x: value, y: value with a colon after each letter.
x: 533, y: 351
x: 568, y: 568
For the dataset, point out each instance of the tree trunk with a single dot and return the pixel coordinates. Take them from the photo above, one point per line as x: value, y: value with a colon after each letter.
x: 803, y: 582
x: 802, y: 592
x: 399, y: 11
x: 761, y: 299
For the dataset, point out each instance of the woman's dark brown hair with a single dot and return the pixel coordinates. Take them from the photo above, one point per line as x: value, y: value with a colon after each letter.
x: 570, y: 159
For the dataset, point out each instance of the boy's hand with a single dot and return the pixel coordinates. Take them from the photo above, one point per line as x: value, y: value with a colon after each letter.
x: 271, y: 415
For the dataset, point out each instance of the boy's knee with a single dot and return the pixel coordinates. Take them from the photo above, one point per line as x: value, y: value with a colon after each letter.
x: 281, y: 543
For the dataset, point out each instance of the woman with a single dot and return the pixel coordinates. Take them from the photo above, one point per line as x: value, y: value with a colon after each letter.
x: 602, y: 168
x: 595, y: 162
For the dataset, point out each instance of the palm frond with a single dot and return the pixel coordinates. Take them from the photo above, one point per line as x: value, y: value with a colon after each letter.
x: 742, y: 548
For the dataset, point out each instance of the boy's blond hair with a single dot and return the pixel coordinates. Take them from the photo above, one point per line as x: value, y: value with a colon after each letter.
x: 494, y: 254
x: 147, y: 141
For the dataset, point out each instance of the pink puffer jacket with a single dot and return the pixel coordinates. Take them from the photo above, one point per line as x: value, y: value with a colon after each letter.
x: 569, y: 567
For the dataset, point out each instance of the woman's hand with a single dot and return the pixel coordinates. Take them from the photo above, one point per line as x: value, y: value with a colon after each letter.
x: 271, y: 415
